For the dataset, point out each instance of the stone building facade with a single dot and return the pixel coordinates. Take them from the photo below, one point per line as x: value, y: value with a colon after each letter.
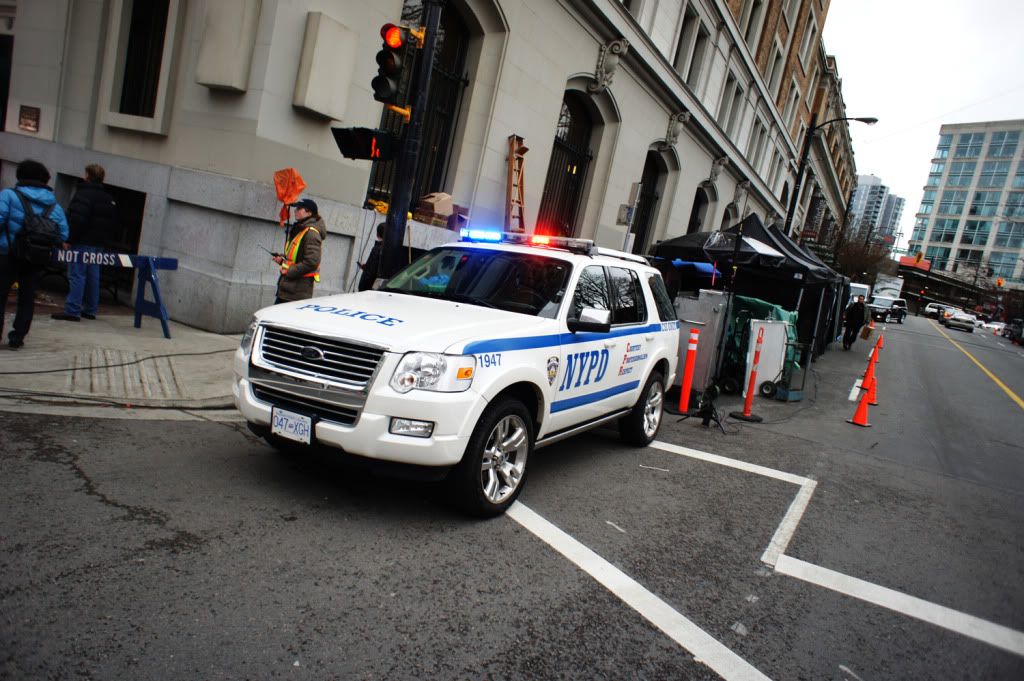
x: 191, y: 105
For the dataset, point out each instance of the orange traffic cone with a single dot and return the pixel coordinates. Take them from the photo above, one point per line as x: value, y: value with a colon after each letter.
x: 869, y: 373
x: 872, y: 391
x: 871, y: 324
x: 881, y: 343
x: 860, y: 417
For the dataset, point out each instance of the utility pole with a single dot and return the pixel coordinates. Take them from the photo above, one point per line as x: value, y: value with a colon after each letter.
x: 405, y: 167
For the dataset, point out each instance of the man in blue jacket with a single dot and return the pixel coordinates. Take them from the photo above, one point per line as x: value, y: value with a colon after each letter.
x: 33, y: 179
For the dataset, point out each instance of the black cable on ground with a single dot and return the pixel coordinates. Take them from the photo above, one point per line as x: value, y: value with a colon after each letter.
x: 111, y: 366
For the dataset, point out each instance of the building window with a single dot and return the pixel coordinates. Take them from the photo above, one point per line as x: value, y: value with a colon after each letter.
x: 952, y: 202
x: 731, y: 109
x: 757, y: 141
x: 567, y: 169
x: 927, y: 202
x: 810, y: 38
x: 1010, y: 235
x: 1002, y: 263
x: 993, y: 173
x: 447, y: 85
x: 1018, y: 179
x: 1004, y: 144
x: 775, y: 71
x: 811, y: 84
x: 920, y: 229
x: 975, y: 233
x: 935, y: 174
x: 751, y: 19
x: 985, y: 203
x: 790, y: 12
x: 791, y: 102
x: 135, y: 84
x: 969, y: 145
x: 969, y: 257
x: 960, y: 174
x: 693, y: 44
x: 1014, y: 205
x: 942, y: 151
x: 944, y: 230
x: 938, y: 257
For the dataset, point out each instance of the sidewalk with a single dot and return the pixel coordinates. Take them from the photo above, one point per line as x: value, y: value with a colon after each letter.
x: 107, y: 361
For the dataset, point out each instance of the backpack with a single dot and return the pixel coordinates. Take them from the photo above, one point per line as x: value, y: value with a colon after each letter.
x: 39, y: 235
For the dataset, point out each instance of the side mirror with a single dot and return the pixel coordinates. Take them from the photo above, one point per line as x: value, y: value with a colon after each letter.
x: 591, y: 319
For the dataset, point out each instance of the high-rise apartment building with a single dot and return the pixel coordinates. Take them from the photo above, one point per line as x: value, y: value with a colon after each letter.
x: 971, y: 217
x: 874, y: 212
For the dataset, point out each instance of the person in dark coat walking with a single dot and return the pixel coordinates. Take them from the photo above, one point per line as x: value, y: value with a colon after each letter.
x: 93, y: 217
x: 370, y: 268
x: 33, y: 179
x: 854, y: 320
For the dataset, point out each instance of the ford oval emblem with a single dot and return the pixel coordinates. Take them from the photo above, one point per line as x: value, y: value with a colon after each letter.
x: 312, y: 353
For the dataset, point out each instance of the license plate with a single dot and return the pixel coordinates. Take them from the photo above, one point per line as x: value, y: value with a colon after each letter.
x: 290, y: 425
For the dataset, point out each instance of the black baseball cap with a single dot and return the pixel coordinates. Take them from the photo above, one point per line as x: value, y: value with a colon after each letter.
x: 308, y: 204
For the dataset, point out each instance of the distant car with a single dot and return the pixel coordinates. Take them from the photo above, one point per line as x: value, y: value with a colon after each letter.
x: 947, y: 312
x: 1014, y: 330
x: 961, y: 320
x: 933, y: 309
x: 995, y: 327
x: 886, y: 309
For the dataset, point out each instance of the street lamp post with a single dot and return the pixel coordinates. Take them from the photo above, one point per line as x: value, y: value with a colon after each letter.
x: 805, y: 153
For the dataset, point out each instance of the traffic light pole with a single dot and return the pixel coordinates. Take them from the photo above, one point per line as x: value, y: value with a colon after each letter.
x: 405, y: 170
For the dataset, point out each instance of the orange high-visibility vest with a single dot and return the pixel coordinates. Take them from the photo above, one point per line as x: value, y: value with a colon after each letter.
x: 293, y: 250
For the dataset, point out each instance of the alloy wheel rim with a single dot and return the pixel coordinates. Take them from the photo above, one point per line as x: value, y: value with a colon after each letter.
x: 504, y: 459
x: 653, y: 409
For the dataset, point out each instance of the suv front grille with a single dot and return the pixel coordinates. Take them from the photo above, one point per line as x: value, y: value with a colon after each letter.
x: 351, y: 364
x: 305, y: 405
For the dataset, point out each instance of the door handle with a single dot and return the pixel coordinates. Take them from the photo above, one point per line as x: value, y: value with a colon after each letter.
x: 610, y: 344
x: 649, y: 336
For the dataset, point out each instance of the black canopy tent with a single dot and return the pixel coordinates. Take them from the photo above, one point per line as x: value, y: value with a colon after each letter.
x: 834, y: 304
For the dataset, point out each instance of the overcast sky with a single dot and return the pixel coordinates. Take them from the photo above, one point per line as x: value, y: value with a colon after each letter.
x: 915, y: 65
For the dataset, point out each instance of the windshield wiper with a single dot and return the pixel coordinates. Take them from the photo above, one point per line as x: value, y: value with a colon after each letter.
x: 456, y: 297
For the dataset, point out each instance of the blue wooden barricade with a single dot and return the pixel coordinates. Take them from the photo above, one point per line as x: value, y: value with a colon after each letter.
x: 147, y: 266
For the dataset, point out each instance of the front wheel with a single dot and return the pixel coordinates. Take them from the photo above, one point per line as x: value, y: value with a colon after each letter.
x: 641, y: 424
x: 493, y: 469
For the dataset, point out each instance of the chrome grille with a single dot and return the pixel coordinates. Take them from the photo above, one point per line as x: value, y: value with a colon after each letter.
x: 343, y: 362
x: 305, y: 405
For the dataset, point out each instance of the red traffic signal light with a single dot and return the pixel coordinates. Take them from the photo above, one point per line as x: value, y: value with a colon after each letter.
x: 393, y: 36
x: 393, y: 62
x: 365, y: 143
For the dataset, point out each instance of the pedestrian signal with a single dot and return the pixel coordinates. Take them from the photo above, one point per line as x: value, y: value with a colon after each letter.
x: 394, y: 64
x: 1000, y: 281
x: 365, y: 143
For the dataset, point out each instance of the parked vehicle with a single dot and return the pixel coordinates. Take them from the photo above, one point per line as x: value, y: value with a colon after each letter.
x: 888, y: 286
x: 1014, y: 330
x: 961, y: 320
x: 995, y: 327
x: 933, y: 310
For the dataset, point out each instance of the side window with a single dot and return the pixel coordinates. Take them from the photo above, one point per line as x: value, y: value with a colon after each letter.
x: 666, y: 311
x: 591, y: 291
x: 629, y: 307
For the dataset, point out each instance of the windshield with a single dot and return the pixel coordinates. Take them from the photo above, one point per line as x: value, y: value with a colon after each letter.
x: 882, y: 301
x: 516, y: 282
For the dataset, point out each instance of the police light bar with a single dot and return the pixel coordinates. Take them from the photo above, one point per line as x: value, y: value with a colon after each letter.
x: 585, y: 246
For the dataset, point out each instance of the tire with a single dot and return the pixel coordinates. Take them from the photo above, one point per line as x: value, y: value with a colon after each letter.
x: 768, y: 389
x: 640, y: 426
x: 730, y: 386
x: 502, y: 436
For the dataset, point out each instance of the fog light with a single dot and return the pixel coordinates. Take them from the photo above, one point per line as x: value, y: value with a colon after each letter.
x: 411, y: 427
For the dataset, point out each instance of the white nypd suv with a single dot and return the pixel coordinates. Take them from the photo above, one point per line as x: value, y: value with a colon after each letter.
x: 467, y: 360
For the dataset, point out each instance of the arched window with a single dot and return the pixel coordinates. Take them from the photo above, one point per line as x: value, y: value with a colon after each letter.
x: 730, y: 218
x: 448, y: 81
x: 567, y: 169
x: 785, y: 194
x: 699, y: 212
x: 651, y: 181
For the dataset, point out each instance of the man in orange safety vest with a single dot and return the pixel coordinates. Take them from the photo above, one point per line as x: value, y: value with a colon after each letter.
x: 300, y: 263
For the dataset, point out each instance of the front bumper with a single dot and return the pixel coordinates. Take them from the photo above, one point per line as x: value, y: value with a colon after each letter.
x: 454, y: 416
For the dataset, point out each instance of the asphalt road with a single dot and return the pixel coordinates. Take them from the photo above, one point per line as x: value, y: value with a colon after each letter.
x: 160, y: 549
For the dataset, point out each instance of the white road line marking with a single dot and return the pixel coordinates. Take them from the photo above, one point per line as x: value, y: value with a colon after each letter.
x: 939, y: 615
x: 731, y: 463
x: 655, y: 468
x: 616, y: 526
x: 787, y: 528
x: 705, y: 648
x: 855, y: 391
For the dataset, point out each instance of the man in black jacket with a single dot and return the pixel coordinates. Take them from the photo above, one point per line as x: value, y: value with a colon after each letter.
x: 93, y: 218
x: 854, y: 320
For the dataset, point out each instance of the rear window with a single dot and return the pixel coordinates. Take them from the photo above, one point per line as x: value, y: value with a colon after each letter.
x: 666, y: 311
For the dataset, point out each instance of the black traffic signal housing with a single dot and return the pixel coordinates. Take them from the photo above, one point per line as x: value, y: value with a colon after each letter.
x: 394, y: 65
x: 365, y: 143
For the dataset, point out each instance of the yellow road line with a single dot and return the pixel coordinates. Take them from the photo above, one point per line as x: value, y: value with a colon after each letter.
x: 1013, y: 396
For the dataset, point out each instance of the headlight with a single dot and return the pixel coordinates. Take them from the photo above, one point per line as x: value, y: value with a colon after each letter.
x: 433, y: 371
x: 250, y: 333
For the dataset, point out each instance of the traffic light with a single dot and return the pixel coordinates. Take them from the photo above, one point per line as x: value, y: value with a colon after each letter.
x: 1000, y: 281
x: 394, y: 65
x: 365, y: 143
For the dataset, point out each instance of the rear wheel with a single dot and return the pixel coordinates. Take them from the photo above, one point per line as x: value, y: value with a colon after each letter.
x: 493, y: 469
x: 641, y: 424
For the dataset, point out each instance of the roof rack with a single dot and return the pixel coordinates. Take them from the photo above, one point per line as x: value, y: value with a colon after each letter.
x: 621, y: 255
